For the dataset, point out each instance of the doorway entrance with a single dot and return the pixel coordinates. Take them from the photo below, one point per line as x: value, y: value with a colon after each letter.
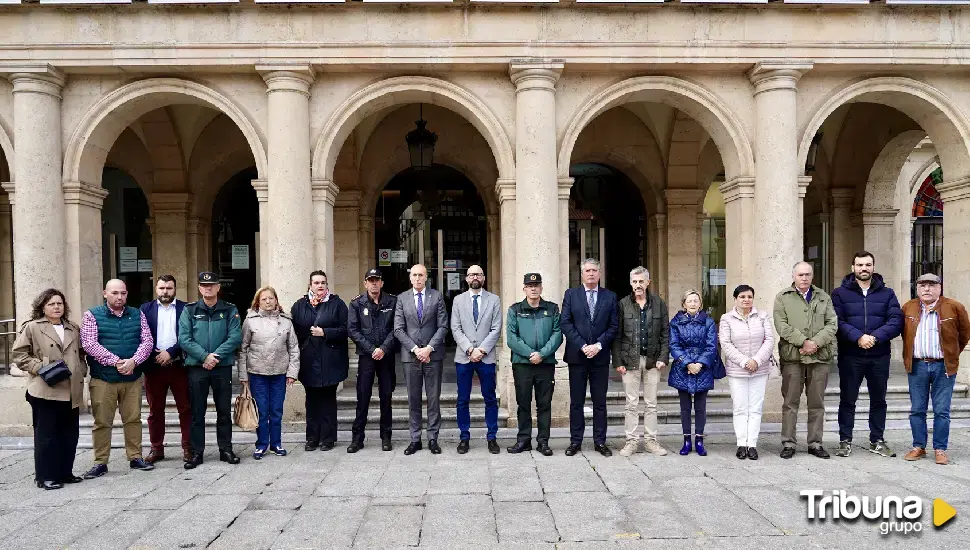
x: 235, y: 227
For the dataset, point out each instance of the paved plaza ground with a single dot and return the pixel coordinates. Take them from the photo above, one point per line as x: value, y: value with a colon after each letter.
x: 380, y: 499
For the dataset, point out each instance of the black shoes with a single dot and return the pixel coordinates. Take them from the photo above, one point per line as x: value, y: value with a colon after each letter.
x: 493, y: 447
x: 194, y: 461
x: 414, y: 447
x: 327, y: 446
x: 788, y: 452
x: 97, y: 470
x: 819, y: 452
x: 355, y: 446
x: 752, y: 453
x: 462, y: 446
x: 544, y: 449
x: 520, y: 447
x: 73, y: 479
x: 228, y: 456
x: 573, y: 449
x: 603, y: 450
x: 49, y: 485
x: 433, y: 447
x: 140, y: 464
x: 311, y: 446
x: 742, y: 453
x: 386, y: 444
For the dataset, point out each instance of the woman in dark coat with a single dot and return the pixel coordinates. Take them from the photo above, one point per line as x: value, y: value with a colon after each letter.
x: 693, y: 352
x: 320, y: 319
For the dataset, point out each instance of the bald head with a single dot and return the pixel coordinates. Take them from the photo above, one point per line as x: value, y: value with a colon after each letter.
x: 419, y: 277
x: 475, y: 277
x: 116, y: 294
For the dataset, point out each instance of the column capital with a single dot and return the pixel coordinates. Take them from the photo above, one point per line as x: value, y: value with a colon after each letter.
x: 9, y: 187
x: 842, y: 193
x: 287, y: 77
x: 170, y: 203
x: 803, y: 182
x: 659, y: 220
x: 324, y: 190
x: 366, y: 220
x: 565, y: 184
x: 505, y: 189
x: 262, y: 189
x: 879, y: 216
x: 954, y: 190
x: 535, y: 73
x: 348, y: 199
x: 196, y: 226
x: 740, y: 187
x: 76, y: 192
x: 36, y: 78
x: 777, y: 75
x: 683, y: 197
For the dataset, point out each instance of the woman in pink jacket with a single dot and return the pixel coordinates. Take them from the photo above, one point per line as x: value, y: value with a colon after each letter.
x: 748, y: 340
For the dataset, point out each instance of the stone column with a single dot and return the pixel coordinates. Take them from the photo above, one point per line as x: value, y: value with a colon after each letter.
x: 6, y: 255
x: 660, y: 286
x: 367, y: 253
x: 803, y: 182
x: 199, y: 259
x: 83, y: 243
x: 536, y: 184
x: 324, y: 197
x: 38, y: 259
x: 776, y: 201
x: 683, y: 243
x: 956, y: 262
x: 494, y: 273
x: 565, y: 184
x: 841, y: 248
x: 170, y: 249
x: 739, y: 226
x: 878, y: 227
x: 289, y: 207
x: 511, y: 290
x: 350, y: 244
x: 262, y: 197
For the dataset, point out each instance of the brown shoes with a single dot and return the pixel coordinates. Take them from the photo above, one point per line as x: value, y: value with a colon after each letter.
x: 916, y: 454
x: 941, y: 457
x: 155, y: 456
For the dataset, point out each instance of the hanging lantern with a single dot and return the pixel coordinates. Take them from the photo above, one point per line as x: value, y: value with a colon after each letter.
x: 421, y: 143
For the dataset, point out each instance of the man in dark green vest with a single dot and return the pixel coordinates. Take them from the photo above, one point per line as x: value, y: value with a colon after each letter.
x: 117, y: 340
x: 210, y: 333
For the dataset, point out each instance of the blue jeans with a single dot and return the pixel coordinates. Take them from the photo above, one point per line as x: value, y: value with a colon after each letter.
x: 486, y: 376
x: 929, y: 379
x: 269, y: 393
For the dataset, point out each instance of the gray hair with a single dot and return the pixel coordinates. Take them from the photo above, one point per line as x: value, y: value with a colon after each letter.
x: 593, y: 261
x: 795, y: 267
x: 640, y: 270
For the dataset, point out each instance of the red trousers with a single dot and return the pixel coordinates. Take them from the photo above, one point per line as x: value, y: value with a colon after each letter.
x: 157, y: 384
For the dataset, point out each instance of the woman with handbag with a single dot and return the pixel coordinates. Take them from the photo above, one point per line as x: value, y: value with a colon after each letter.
x: 48, y: 348
x: 694, y: 358
x: 269, y: 362
x: 320, y: 319
x: 748, y: 340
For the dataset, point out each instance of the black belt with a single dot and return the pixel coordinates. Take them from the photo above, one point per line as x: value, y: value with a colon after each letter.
x: 928, y: 359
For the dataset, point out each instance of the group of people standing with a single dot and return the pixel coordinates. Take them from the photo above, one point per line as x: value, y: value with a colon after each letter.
x: 190, y: 349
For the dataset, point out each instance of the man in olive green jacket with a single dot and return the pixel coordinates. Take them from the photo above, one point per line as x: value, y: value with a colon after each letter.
x: 806, y: 322
x: 532, y: 333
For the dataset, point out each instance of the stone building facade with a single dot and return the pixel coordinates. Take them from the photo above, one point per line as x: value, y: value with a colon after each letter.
x: 733, y: 141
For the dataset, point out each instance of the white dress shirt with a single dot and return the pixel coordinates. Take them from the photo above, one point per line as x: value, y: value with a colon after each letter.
x: 166, y: 333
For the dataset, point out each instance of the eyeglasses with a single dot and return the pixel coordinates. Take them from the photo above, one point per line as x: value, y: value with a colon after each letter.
x: 476, y: 275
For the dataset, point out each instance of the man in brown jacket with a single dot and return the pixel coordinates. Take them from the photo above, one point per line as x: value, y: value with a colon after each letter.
x: 936, y: 330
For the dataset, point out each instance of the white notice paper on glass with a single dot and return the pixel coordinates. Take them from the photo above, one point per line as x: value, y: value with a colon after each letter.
x: 145, y: 266
x: 718, y: 277
x: 454, y: 281
x: 127, y: 252
x: 240, y: 256
x: 128, y: 266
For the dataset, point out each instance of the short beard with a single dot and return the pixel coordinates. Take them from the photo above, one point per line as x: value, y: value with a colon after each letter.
x: 864, y: 276
x: 475, y: 285
x: 166, y: 299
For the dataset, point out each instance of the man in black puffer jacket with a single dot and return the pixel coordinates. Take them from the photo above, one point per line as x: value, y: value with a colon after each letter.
x: 869, y: 318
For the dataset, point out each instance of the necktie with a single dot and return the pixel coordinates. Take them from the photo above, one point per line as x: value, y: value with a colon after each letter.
x: 420, y: 305
x: 475, y: 308
x: 591, y: 302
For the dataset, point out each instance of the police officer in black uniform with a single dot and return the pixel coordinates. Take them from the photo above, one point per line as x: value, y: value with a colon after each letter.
x: 371, y: 327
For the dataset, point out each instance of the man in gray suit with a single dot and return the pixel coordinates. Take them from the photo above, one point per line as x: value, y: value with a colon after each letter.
x: 476, y: 322
x: 420, y: 325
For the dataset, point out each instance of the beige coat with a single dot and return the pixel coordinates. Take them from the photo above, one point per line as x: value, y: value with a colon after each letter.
x: 269, y: 346
x: 38, y: 345
x: 743, y: 339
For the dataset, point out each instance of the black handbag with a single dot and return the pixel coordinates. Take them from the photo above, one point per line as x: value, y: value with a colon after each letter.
x: 55, y: 373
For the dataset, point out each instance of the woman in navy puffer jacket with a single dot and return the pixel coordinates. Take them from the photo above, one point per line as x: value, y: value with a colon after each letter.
x: 693, y: 352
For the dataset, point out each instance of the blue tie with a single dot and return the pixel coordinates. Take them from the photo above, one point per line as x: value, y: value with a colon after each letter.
x: 592, y: 303
x: 475, y: 308
x: 420, y: 305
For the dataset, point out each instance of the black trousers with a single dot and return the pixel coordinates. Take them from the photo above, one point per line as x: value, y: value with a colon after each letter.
x: 321, y: 414
x: 367, y: 368
x: 219, y: 380
x: 598, y: 377
x: 56, y: 431
x: 875, y: 371
x: 542, y: 379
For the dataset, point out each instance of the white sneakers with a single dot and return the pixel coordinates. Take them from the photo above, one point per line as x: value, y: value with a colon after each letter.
x: 630, y: 448
x: 654, y: 448
x: 633, y: 446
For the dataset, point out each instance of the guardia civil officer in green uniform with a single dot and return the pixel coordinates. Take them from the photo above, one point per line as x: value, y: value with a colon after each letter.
x: 533, y: 335
x: 210, y: 333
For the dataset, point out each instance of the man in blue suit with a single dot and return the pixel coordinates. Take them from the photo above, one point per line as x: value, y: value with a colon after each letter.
x: 164, y: 369
x: 589, y: 324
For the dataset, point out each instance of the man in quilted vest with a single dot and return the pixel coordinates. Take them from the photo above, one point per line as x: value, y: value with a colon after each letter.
x: 117, y: 340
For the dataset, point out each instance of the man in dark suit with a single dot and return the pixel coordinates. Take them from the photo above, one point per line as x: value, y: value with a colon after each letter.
x: 164, y: 369
x: 589, y: 324
x: 420, y: 325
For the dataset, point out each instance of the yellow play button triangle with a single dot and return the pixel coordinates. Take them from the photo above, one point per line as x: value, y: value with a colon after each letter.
x: 942, y: 512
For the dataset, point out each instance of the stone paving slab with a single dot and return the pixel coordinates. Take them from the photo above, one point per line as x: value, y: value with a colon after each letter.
x: 374, y: 499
